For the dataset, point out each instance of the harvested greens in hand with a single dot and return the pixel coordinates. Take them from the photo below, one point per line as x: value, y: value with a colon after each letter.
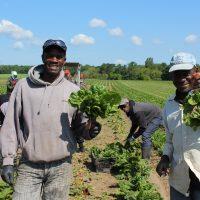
x: 96, y: 101
x: 191, y: 110
x: 191, y: 107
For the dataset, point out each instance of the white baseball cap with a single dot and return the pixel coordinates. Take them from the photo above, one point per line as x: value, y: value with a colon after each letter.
x: 123, y: 101
x: 13, y: 73
x: 182, y: 61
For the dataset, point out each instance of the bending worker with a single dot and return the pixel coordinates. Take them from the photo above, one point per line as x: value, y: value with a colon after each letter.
x: 146, y: 119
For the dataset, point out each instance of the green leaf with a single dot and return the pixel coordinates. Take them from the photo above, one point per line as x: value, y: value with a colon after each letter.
x: 96, y: 101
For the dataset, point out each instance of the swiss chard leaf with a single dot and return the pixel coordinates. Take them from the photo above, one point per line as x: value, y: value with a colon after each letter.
x: 96, y: 101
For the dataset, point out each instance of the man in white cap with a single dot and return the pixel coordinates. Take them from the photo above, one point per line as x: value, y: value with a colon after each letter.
x: 146, y: 119
x: 181, y: 154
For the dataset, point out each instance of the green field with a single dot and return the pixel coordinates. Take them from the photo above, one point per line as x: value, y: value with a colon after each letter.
x: 155, y: 92
x: 3, y: 80
x: 4, y: 77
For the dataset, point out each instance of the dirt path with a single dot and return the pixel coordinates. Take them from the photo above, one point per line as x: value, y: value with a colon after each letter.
x: 102, y: 186
x: 161, y: 183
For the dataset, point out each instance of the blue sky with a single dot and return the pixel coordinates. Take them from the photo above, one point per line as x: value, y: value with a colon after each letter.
x: 99, y: 31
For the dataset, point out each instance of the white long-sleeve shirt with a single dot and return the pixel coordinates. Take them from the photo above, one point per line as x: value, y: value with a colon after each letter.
x: 182, y: 146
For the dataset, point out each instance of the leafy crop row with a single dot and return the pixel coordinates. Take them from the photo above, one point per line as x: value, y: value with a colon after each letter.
x: 155, y: 92
x: 131, y: 171
x: 144, y: 91
x: 2, y: 89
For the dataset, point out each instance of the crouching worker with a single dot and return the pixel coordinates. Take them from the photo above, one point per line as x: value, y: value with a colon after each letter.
x: 39, y: 121
x: 146, y: 119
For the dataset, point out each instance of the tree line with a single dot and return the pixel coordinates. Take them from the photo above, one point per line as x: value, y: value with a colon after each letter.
x: 130, y: 71
x: 6, y: 69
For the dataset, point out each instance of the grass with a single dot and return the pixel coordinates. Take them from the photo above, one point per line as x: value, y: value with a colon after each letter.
x: 4, y: 77
x: 155, y: 92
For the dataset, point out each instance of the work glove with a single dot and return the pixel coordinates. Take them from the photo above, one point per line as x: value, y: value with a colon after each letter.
x: 163, y: 166
x: 131, y: 137
x: 94, y: 129
x: 7, y: 174
x: 91, y: 130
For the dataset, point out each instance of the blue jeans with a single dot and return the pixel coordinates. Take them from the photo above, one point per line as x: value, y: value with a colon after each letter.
x: 195, y: 194
x: 175, y: 195
x: 36, y: 181
x: 151, y: 128
x: 194, y: 186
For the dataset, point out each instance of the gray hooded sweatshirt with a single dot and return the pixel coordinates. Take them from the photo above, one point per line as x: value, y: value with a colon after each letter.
x: 38, y: 120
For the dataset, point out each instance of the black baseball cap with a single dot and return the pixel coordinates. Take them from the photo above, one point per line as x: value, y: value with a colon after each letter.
x: 58, y: 43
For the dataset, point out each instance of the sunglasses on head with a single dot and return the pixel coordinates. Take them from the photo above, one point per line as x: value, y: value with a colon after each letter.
x: 58, y: 43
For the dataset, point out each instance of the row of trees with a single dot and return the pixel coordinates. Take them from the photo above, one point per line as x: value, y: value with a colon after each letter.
x: 131, y: 71
x: 6, y: 69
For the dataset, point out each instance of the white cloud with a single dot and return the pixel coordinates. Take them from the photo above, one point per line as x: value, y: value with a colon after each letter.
x: 18, y: 45
x: 14, y: 31
x: 120, y: 61
x: 157, y: 41
x: 116, y: 32
x: 97, y: 23
x: 136, y: 40
x: 192, y: 38
x: 82, y: 39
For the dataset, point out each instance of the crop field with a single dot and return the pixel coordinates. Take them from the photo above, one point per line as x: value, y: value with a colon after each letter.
x: 4, y: 77
x: 3, y: 80
x: 155, y: 92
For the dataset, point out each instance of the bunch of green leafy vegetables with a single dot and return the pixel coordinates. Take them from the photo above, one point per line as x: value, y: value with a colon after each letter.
x: 191, y: 110
x: 95, y: 101
x: 131, y: 171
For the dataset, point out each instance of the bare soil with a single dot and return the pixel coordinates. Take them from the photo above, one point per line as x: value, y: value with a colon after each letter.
x: 104, y: 185
x: 161, y: 183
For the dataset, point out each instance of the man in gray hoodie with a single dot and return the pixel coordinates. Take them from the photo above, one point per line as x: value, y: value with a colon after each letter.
x: 39, y: 120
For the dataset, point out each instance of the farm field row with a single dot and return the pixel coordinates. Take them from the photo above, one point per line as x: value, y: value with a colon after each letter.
x: 155, y: 92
